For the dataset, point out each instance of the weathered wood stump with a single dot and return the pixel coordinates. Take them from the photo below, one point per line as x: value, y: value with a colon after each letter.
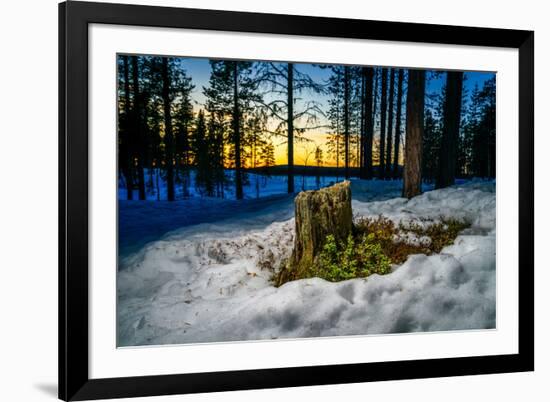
x: 317, y: 213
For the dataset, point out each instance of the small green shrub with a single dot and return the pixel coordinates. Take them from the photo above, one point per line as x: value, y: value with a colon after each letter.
x: 354, y: 258
x: 372, y: 248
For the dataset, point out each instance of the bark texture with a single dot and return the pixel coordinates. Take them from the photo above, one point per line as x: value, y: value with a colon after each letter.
x: 318, y: 213
x: 290, y: 123
x: 451, y: 128
x: 412, y: 175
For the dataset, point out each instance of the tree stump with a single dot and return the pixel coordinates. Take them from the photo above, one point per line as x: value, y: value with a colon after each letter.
x: 317, y: 213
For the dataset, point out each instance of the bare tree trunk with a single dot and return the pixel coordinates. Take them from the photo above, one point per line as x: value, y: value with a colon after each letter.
x: 451, y: 127
x: 237, y: 133
x: 361, y: 145
x: 398, y: 124
x: 412, y: 176
x: 168, y: 135
x: 390, y: 126
x: 140, y: 135
x: 346, y: 120
x: 383, y: 108
x: 290, y: 126
x: 318, y: 214
x: 369, y: 120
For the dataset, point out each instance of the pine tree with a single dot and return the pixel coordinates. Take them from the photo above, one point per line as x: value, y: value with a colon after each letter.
x: 203, y: 180
x: 334, y: 138
x: 398, y: 124
x: 368, y: 73
x: 389, y: 135
x: 216, y: 137
x: 125, y: 140
x: 254, y: 138
x: 347, y: 102
x: 138, y: 108
x: 488, y: 128
x: 318, y: 163
x: 168, y: 134
x: 231, y: 94
x: 345, y: 115
x: 430, y: 146
x: 383, y: 109
x: 154, y: 122
x: 183, y: 120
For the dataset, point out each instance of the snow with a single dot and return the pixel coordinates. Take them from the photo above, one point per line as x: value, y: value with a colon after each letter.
x: 256, y: 185
x: 209, y: 281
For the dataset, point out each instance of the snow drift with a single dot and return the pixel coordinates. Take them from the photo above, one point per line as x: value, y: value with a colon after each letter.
x: 211, y: 282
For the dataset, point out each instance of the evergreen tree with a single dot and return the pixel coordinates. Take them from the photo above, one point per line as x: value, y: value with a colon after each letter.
x: 488, y: 128
x: 334, y: 138
x: 398, y: 124
x: 318, y: 163
x: 369, y: 106
x: 217, y: 152
x: 168, y: 133
x: 257, y: 143
x: 347, y: 102
x: 183, y: 120
x: 138, y: 128
x: 451, y: 127
x: 204, y: 182
x: 389, y: 136
x: 383, y: 110
x: 345, y: 115
x: 125, y: 139
x: 231, y: 94
x: 479, y: 132
x: 430, y: 146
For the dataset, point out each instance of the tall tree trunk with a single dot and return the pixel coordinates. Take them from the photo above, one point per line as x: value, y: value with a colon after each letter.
x: 375, y: 93
x: 451, y: 127
x: 398, y: 124
x: 412, y: 175
x: 185, y: 145
x: 346, y: 120
x: 168, y: 135
x: 290, y: 126
x: 383, y: 108
x: 492, y: 143
x: 126, y: 150
x: 362, y: 127
x: 237, y: 133
x: 139, y: 129
x: 368, y: 73
x: 389, y: 136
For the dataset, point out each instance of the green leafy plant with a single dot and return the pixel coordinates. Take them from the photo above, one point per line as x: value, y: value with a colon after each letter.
x: 376, y: 244
x: 354, y: 258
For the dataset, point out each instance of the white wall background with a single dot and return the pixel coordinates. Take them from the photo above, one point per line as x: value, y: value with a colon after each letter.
x: 28, y: 198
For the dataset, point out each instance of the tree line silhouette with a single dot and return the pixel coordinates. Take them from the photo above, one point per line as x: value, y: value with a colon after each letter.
x: 380, y: 123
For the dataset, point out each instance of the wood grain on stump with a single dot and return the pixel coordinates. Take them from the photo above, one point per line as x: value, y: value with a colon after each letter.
x: 318, y: 213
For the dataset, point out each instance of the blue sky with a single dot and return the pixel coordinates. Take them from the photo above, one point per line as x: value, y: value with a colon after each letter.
x: 199, y: 70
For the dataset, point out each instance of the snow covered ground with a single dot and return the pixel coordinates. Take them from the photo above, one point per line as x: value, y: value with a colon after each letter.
x: 256, y: 185
x: 208, y: 281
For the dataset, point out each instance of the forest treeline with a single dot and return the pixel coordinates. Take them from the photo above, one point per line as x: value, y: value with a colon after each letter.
x: 380, y: 123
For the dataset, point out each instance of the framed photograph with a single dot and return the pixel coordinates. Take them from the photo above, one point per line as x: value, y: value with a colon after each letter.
x: 258, y: 201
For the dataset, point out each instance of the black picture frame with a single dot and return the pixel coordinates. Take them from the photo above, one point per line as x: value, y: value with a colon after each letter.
x: 74, y: 381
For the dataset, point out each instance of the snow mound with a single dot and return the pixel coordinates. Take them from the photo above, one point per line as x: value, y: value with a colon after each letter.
x: 211, y: 282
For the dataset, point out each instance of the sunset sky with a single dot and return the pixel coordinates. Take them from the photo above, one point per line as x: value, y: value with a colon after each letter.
x: 199, y: 70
